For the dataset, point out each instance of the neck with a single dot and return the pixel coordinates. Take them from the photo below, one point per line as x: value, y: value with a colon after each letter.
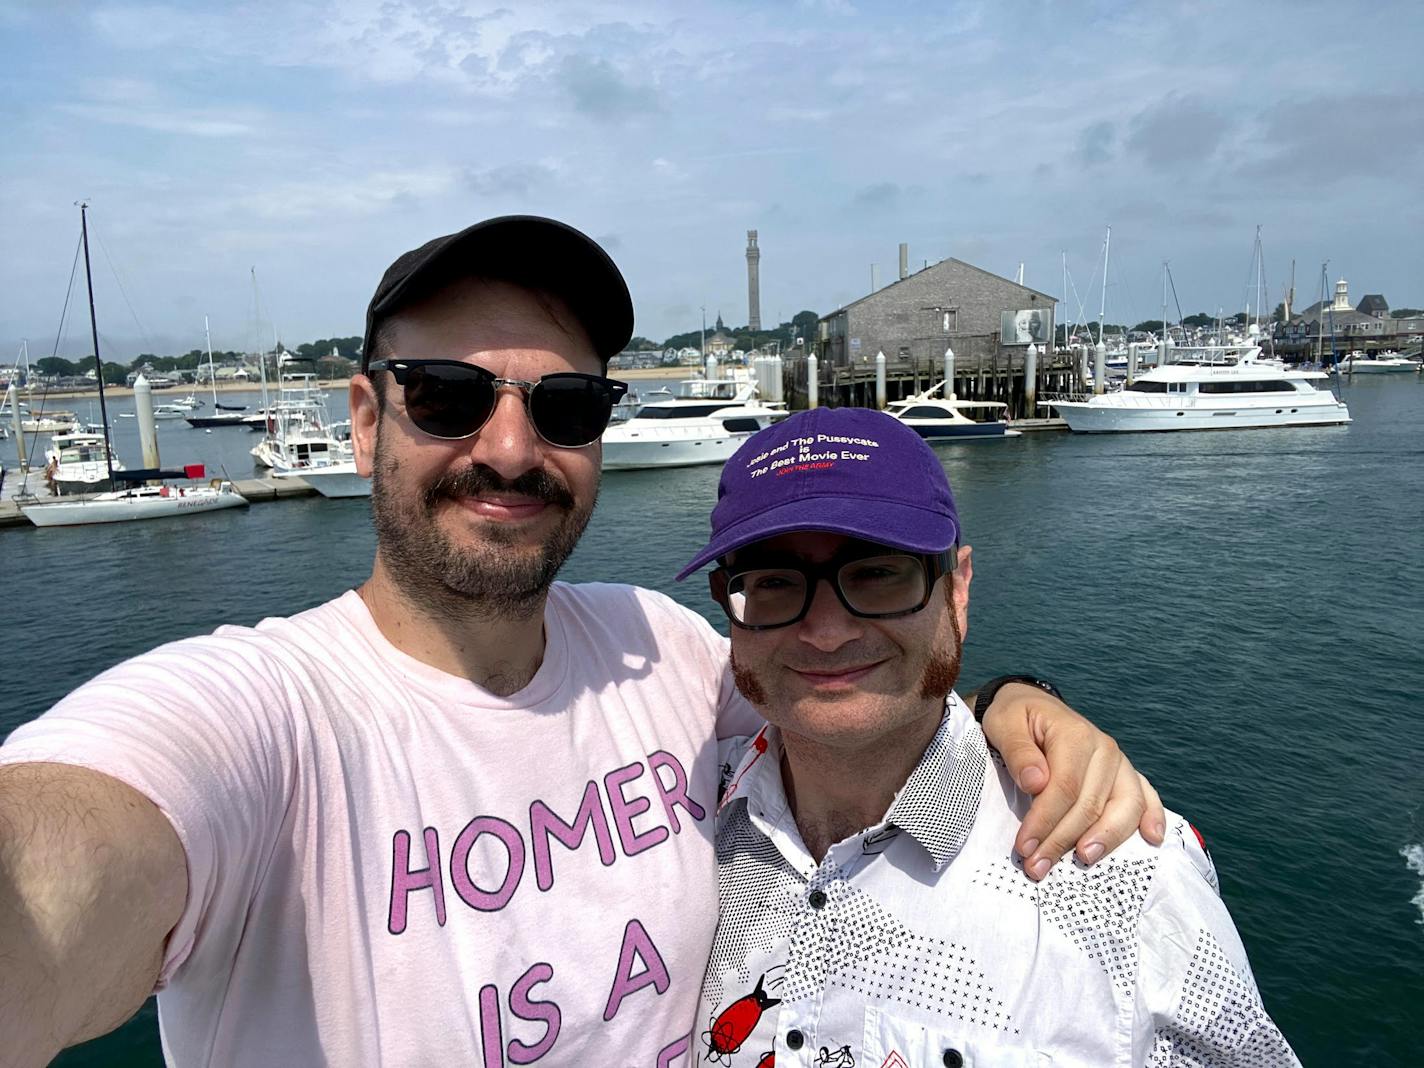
x: 835, y: 792
x: 499, y: 653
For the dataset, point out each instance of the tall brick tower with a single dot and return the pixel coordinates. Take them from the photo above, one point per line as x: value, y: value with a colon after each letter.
x: 753, y: 282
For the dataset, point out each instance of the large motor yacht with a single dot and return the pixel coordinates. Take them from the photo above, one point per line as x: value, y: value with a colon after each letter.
x: 943, y: 418
x: 703, y: 423
x: 1383, y: 363
x: 1215, y: 388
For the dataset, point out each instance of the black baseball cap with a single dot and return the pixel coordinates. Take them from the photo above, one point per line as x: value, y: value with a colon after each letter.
x: 524, y: 250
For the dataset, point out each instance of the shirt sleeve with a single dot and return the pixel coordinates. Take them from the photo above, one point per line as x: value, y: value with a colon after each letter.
x: 200, y: 728
x: 1195, y: 982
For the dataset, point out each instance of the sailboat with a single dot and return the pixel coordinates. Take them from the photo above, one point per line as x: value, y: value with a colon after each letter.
x: 223, y: 414
x: 140, y: 501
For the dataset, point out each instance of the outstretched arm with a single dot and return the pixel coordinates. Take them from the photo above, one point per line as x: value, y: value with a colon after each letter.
x: 92, y: 879
x: 1086, y: 792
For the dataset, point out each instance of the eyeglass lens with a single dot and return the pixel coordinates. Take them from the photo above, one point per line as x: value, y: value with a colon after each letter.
x: 872, y: 586
x: 450, y: 401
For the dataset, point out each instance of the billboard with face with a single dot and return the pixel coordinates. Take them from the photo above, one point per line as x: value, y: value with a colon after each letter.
x: 1030, y: 326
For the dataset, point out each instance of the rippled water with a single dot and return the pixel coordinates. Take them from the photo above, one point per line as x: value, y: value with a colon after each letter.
x: 1241, y: 609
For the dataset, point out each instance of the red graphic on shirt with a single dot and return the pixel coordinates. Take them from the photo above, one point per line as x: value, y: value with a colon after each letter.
x: 894, y: 1061
x: 768, y: 1060
x: 735, y: 1023
x: 1200, y: 840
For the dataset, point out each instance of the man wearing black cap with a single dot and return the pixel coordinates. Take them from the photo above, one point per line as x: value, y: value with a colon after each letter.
x: 460, y: 815
x: 873, y: 910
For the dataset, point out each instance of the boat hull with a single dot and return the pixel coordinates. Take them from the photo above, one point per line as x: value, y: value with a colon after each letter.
x: 212, y: 421
x: 337, y: 481
x: 1377, y: 369
x: 1086, y: 418
x: 684, y: 452
x: 958, y: 431
x: 123, y: 508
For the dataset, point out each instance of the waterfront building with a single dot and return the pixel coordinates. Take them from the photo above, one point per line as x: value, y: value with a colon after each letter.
x: 949, y: 304
x: 1367, y: 326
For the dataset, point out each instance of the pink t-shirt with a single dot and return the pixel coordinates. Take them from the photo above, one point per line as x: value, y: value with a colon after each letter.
x: 389, y: 865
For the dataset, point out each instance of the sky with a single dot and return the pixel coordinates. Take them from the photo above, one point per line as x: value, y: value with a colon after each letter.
x: 308, y: 143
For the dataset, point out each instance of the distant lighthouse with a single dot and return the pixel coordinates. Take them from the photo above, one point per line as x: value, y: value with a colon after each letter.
x: 753, y: 282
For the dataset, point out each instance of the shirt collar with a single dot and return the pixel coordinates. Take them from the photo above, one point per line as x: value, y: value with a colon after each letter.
x: 936, y: 806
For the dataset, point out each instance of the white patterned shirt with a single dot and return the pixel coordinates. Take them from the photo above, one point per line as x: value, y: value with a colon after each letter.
x: 920, y: 941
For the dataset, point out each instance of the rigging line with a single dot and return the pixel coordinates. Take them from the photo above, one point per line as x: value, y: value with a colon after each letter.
x: 147, y: 341
x: 1173, y: 283
x: 73, y: 270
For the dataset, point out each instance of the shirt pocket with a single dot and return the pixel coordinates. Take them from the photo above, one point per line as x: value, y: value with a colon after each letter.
x: 893, y: 1042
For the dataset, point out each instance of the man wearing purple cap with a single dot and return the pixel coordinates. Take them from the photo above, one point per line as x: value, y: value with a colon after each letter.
x: 874, y: 913
x: 462, y: 814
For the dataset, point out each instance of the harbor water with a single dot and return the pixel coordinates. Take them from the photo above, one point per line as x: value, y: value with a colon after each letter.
x: 1241, y: 609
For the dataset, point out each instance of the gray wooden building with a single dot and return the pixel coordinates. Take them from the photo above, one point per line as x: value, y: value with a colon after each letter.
x: 950, y: 304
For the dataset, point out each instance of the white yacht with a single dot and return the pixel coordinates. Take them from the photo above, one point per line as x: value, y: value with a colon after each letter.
x: 1213, y: 388
x: 334, y: 480
x: 76, y: 462
x: 942, y: 418
x: 170, y: 411
x: 298, y: 437
x: 51, y: 422
x: 1384, y: 363
x: 703, y: 423
x: 138, y: 502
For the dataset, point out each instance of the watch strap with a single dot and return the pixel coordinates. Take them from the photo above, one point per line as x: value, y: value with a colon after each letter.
x: 984, y: 697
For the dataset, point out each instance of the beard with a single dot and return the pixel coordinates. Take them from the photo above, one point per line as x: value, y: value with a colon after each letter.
x: 506, y: 576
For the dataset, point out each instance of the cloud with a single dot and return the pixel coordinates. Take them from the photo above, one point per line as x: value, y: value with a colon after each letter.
x: 185, y: 122
x: 510, y: 179
x: 598, y: 90
x: 1177, y: 130
x: 1096, y: 143
x: 1336, y: 137
x: 880, y: 196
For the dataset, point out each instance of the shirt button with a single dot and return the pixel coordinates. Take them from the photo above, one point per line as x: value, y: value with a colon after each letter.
x: 953, y: 1059
x: 817, y: 900
x: 795, y: 1040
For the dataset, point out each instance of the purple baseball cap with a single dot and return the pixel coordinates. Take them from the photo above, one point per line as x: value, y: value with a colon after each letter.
x: 849, y: 471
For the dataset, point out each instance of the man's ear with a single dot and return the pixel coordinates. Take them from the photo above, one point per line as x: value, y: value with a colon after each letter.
x: 365, y: 415
x: 959, y: 587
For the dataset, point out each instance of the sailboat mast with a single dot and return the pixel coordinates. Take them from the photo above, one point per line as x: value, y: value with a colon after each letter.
x: 1103, y: 306
x: 212, y: 374
x: 94, y: 328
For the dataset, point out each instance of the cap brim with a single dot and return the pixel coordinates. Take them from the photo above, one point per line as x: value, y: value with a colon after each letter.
x: 900, y: 526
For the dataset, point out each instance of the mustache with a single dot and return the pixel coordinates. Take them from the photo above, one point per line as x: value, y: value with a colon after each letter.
x: 477, y: 479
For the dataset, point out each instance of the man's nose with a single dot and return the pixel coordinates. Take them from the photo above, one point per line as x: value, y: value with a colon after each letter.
x: 827, y: 625
x: 508, y: 443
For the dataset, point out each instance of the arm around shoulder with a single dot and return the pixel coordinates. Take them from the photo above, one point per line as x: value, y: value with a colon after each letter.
x: 92, y: 879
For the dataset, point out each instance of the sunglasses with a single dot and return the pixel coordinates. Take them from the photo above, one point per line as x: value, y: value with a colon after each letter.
x: 880, y: 585
x: 449, y: 399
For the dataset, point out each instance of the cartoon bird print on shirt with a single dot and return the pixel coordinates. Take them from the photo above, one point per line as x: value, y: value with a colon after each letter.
x: 734, y: 1024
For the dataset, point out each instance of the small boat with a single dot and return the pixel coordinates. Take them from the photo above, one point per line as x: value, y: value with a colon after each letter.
x: 942, y: 418
x: 170, y: 411
x: 1384, y: 363
x: 53, y: 422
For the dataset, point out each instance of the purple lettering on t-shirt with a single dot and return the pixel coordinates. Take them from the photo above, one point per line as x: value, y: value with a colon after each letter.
x: 491, y: 1033
x: 543, y: 823
x: 404, y: 880
x: 470, y: 894
x: 624, y: 810
x: 676, y: 794
x: 670, y: 1053
x: 534, y: 1011
x: 636, y: 946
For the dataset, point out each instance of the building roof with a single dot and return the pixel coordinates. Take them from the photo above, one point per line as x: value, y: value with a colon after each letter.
x: 958, y: 262
x: 1373, y: 304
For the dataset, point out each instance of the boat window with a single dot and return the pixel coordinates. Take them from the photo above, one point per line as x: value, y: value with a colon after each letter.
x: 924, y: 411
x: 742, y: 425
x: 678, y: 411
x: 1246, y: 386
x: 1141, y: 386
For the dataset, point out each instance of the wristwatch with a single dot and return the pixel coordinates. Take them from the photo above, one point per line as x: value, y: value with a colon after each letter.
x: 985, y: 695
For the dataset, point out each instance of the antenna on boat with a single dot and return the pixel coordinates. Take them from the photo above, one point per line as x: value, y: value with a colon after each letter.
x: 94, y: 328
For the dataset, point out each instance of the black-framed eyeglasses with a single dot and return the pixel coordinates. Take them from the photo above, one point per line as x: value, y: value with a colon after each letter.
x: 870, y: 584
x: 450, y: 399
